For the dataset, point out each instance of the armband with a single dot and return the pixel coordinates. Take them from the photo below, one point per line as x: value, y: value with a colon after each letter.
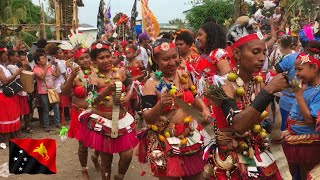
x: 148, y: 101
x: 127, y: 82
x: 262, y: 100
x: 229, y: 109
x: 278, y: 68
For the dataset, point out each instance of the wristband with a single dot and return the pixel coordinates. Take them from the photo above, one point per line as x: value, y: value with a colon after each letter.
x: 227, y: 105
x: 230, y: 109
x: 262, y: 100
x: 148, y: 101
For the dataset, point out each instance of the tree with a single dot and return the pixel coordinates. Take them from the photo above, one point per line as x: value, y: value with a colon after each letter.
x: 178, y: 22
x: 20, y: 12
x: 220, y: 10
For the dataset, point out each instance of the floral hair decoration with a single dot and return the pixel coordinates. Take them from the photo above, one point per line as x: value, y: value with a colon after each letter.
x: 79, y: 52
x: 130, y: 49
x: 99, y: 46
x: 163, y: 47
x: 3, y: 49
x: 115, y: 53
x: 306, y: 58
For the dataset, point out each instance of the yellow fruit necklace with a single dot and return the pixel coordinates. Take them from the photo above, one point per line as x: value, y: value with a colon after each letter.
x: 114, y: 75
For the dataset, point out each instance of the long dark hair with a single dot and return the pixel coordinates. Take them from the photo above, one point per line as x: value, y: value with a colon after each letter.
x: 216, y: 37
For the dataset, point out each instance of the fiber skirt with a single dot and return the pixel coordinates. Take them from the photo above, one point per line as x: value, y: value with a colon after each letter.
x: 302, y: 153
x: 74, y: 129
x: 181, y: 166
x: 104, y: 143
x: 24, y: 105
x: 9, y: 113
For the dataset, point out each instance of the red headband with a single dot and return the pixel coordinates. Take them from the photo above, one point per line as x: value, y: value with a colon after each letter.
x: 163, y: 47
x: 3, y: 49
x: 115, y: 53
x: 130, y: 49
x: 79, y: 52
x: 306, y: 58
x: 99, y: 46
x: 246, y: 39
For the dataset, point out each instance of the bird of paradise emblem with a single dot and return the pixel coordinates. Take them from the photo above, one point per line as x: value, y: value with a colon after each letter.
x: 42, y: 150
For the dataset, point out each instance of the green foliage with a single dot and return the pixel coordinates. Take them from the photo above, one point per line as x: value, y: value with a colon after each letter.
x: 218, y: 9
x: 28, y: 38
x: 178, y: 22
x: 21, y: 11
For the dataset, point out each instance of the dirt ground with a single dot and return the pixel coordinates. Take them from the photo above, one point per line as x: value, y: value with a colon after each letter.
x: 68, y: 166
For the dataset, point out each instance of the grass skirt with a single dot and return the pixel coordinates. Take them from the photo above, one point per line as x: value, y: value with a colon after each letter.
x: 74, y: 129
x: 302, y: 153
x: 181, y: 166
x: 102, y: 143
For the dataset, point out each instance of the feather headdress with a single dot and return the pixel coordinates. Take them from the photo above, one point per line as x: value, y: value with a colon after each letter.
x: 76, y: 38
x: 308, y: 33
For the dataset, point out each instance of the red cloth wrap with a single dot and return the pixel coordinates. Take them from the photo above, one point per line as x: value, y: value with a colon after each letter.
x: 10, y: 115
x: 24, y: 106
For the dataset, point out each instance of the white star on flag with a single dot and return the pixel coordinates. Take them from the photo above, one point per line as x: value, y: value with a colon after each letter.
x: 15, y: 158
x: 20, y: 151
x: 22, y: 163
x: 20, y: 168
x: 25, y: 159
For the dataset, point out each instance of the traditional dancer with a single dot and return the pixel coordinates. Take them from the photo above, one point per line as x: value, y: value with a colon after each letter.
x: 172, y: 143
x: 302, y: 137
x: 78, y: 83
x: 240, y: 149
x: 108, y: 128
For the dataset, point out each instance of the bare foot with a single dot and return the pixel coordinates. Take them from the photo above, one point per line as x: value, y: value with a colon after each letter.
x: 85, y: 174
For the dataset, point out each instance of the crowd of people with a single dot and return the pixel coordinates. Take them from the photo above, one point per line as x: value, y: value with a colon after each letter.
x: 247, y: 83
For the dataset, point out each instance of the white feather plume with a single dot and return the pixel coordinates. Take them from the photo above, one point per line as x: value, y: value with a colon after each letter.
x: 79, y: 39
x: 258, y: 15
x: 65, y: 45
x: 268, y: 4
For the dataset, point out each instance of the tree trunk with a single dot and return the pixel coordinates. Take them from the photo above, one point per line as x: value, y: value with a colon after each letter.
x: 236, y: 9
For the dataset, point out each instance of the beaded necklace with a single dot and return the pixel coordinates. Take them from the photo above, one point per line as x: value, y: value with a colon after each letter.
x: 114, y: 75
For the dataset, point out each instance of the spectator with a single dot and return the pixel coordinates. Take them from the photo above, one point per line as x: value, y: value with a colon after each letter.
x: 143, y: 44
x: 44, y: 75
x: 10, y: 115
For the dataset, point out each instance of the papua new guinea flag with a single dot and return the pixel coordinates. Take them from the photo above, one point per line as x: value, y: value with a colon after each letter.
x: 32, y: 156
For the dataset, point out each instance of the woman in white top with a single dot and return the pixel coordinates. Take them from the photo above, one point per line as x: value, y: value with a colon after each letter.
x: 10, y: 115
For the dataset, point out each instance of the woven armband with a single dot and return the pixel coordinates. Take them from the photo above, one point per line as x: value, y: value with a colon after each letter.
x: 229, y: 109
x: 127, y: 82
x: 262, y: 100
x: 148, y: 101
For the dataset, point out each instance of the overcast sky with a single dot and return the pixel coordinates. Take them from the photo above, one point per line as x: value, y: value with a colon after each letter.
x: 164, y: 10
